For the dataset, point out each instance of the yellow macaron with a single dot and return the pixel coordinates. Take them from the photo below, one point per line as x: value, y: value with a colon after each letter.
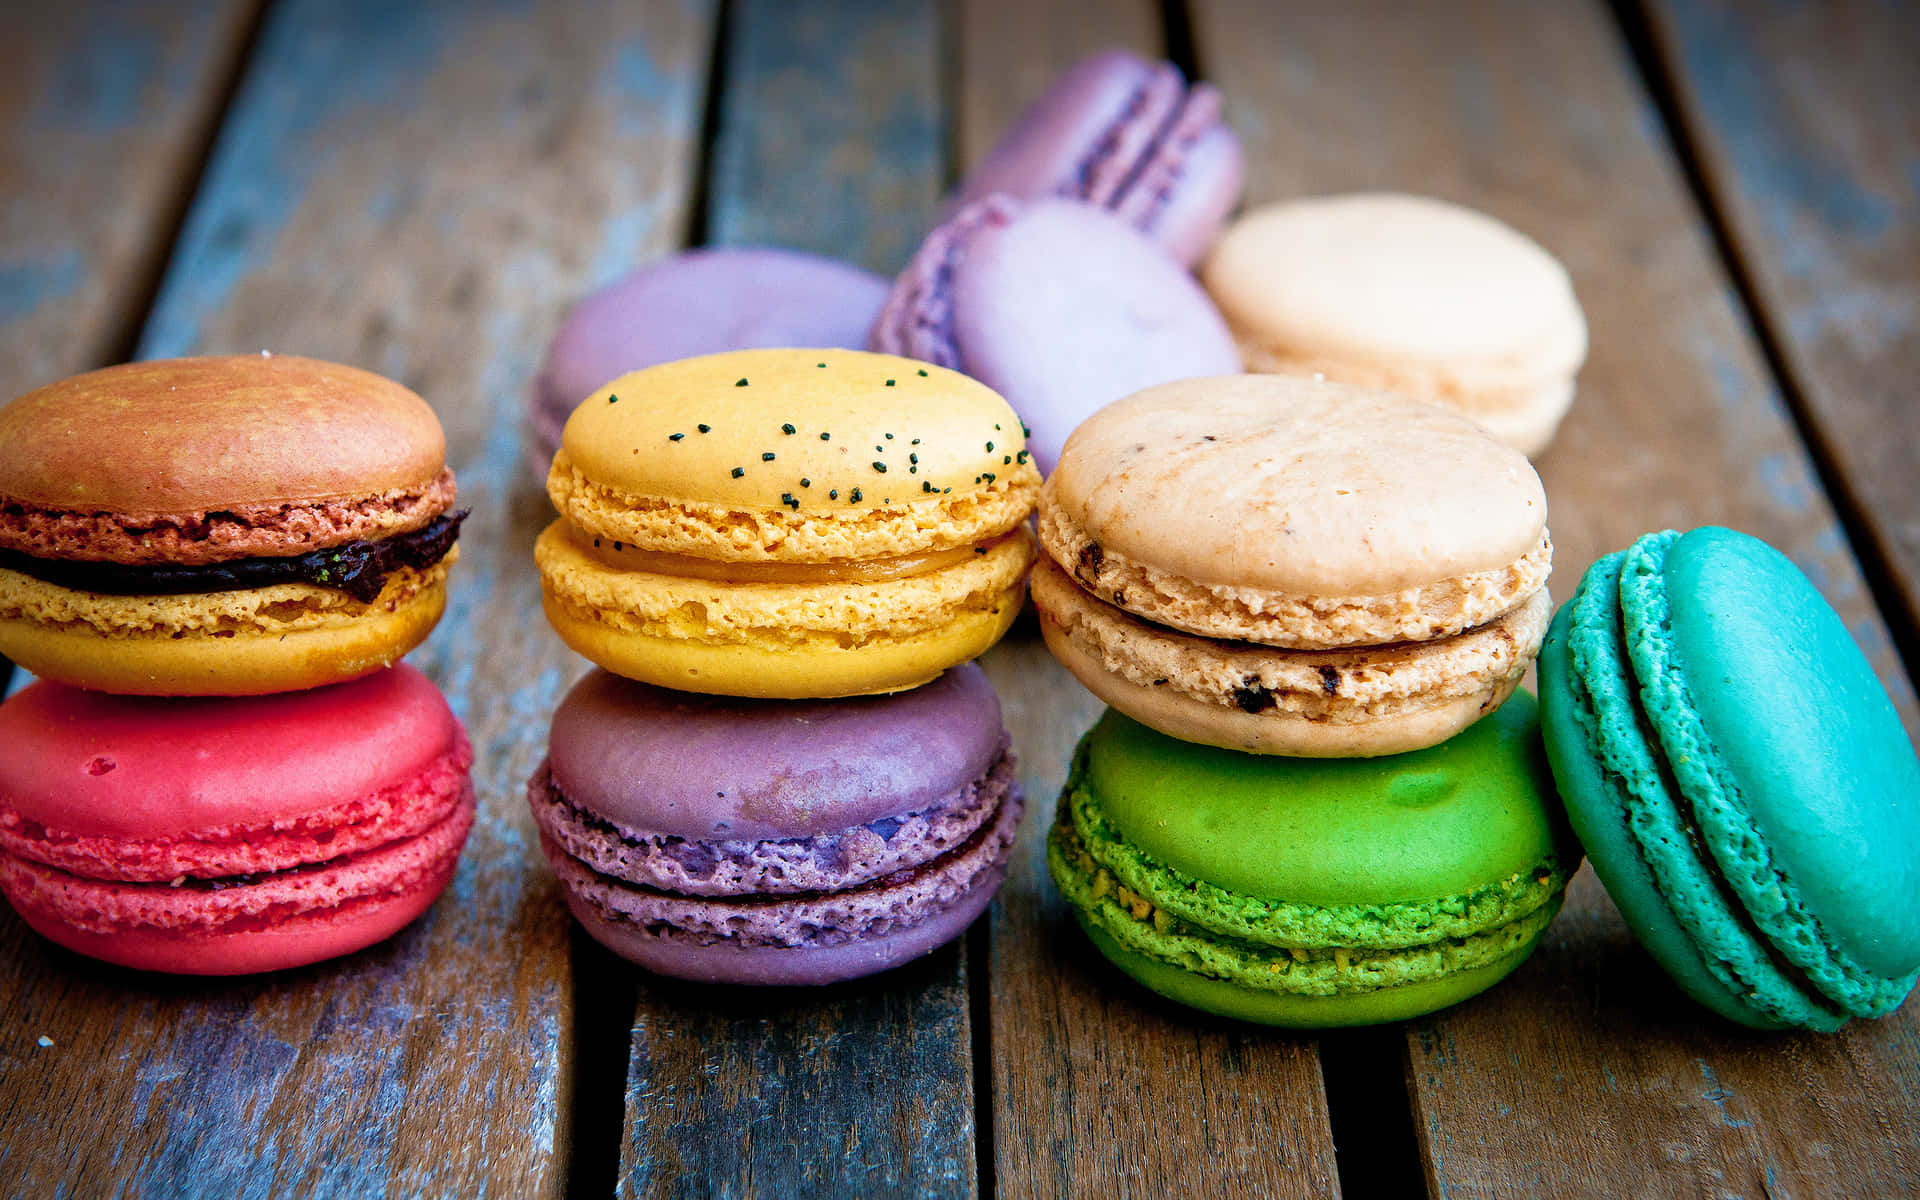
x: 788, y: 523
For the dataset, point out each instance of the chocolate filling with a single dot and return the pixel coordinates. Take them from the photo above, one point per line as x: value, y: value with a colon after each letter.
x: 359, y: 569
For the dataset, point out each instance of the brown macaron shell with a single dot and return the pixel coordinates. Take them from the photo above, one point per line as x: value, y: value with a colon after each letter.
x: 205, y: 460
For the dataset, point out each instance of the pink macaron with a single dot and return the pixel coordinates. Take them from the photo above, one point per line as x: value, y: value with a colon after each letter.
x: 224, y: 836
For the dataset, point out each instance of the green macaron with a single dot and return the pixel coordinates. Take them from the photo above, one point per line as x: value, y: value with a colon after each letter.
x: 1739, y: 778
x: 1314, y: 892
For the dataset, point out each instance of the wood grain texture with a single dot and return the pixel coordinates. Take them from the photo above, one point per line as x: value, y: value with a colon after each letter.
x: 1585, y: 1074
x: 1008, y: 54
x: 829, y: 140
x: 1806, y: 123
x: 419, y: 190
x: 1099, y: 1087
x: 830, y: 131
x: 860, y: 1089
x: 105, y: 106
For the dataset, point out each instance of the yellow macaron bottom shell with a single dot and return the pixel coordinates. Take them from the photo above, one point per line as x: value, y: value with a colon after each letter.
x: 781, y: 640
x: 246, y: 642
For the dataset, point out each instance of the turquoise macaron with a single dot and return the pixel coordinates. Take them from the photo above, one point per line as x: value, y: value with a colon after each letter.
x: 1740, y: 780
x: 1314, y: 892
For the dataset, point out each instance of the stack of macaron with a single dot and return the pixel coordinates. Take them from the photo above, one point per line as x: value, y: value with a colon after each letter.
x: 1317, y: 799
x: 212, y: 565
x: 788, y: 771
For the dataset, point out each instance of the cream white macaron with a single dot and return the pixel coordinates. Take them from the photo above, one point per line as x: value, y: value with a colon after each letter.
x: 1411, y: 295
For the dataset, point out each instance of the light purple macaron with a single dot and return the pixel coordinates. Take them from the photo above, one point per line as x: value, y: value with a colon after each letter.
x: 698, y: 302
x: 772, y: 841
x: 1059, y: 306
x: 1130, y: 136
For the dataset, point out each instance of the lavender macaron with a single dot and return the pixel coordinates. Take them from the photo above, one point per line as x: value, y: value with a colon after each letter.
x: 686, y: 305
x: 1059, y: 306
x: 1127, y: 135
x: 777, y: 842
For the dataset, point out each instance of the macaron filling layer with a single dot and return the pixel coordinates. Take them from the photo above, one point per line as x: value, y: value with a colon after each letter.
x: 359, y: 568
x: 621, y: 557
x: 274, y: 610
x: 877, y: 517
x: 828, y: 917
x: 746, y: 866
x: 1439, y: 608
x: 1334, y: 686
x: 1741, y: 861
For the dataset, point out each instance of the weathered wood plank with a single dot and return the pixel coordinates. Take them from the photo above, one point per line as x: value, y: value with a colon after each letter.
x: 829, y: 140
x: 829, y: 134
x: 1099, y: 1087
x: 105, y: 108
x: 417, y: 189
x: 1806, y: 124
x: 1587, y: 1074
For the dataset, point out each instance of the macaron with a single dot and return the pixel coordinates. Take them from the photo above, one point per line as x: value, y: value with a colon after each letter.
x: 698, y: 302
x: 1409, y: 294
x: 1127, y: 135
x: 224, y: 836
x: 1313, y: 893
x: 1059, y: 306
x: 1286, y: 566
x: 1743, y: 785
x: 788, y: 523
x: 777, y: 842
x: 221, y: 526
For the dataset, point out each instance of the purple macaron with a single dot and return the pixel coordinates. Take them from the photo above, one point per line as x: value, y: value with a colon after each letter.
x: 699, y: 302
x: 1059, y: 306
x: 777, y: 842
x: 1130, y: 136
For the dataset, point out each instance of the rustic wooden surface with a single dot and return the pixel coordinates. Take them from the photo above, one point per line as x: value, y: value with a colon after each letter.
x: 828, y: 140
x: 423, y: 189
x: 1677, y: 424
x: 1093, y: 1078
x: 439, y: 1063
x: 105, y: 110
x: 1806, y: 123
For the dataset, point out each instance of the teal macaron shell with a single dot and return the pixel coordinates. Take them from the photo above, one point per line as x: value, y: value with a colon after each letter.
x: 1741, y: 782
x: 1314, y: 892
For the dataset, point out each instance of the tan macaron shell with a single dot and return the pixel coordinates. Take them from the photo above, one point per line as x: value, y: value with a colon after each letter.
x: 190, y: 435
x: 1407, y: 294
x: 1332, y: 703
x: 886, y: 456
x: 1296, y: 512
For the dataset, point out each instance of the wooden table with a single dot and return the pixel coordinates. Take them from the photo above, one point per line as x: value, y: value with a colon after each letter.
x: 422, y: 189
